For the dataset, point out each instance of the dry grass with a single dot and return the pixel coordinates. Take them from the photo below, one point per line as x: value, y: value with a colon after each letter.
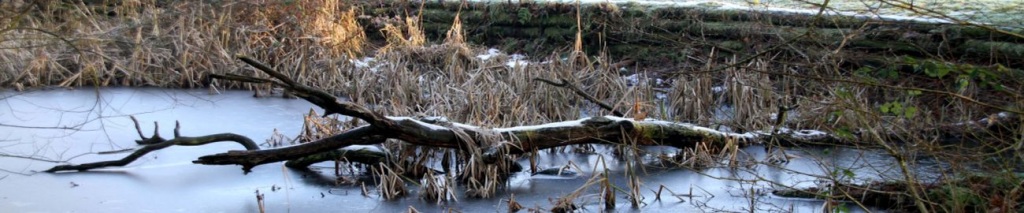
x: 391, y: 185
x: 320, y: 43
x: 174, y: 44
x: 315, y: 127
x: 438, y: 188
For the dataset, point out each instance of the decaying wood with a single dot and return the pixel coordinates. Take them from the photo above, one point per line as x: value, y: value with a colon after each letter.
x: 156, y: 143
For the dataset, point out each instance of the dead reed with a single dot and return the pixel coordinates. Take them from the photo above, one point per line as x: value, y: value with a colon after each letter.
x: 321, y: 43
x: 391, y: 184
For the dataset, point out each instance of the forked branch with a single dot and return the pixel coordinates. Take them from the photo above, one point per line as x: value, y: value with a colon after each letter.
x: 156, y: 143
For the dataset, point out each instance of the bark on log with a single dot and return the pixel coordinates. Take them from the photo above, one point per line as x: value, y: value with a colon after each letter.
x: 365, y: 135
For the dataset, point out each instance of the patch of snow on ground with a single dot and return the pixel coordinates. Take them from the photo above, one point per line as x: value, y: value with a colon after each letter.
x: 718, y: 89
x: 633, y: 79
x: 514, y: 61
x: 491, y: 53
x: 367, y: 62
x: 362, y: 63
x: 660, y: 96
x: 517, y: 60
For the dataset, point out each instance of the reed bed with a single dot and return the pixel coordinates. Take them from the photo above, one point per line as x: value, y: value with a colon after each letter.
x: 321, y: 43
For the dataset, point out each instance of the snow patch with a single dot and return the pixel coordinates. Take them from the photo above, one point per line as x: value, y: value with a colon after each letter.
x: 633, y: 79
x: 491, y: 53
x: 517, y: 60
x: 804, y: 134
x: 431, y: 126
x: 363, y: 62
x: 367, y: 63
x: 718, y: 89
x: 542, y: 126
x: 808, y: 134
x: 691, y: 127
x: 661, y: 96
x: 372, y: 148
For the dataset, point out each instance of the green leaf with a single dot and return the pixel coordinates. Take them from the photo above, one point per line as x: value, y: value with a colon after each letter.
x: 844, y: 94
x: 1001, y: 68
x: 848, y: 173
x: 897, y: 108
x: 842, y: 208
x: 909, y: 60
x: 889, y: 73
x: 844, y: 133
x: 962, y: 82
x: 936, y: 69
x: 914, y: 92
x: 863, y: 71
x: 910, y: 112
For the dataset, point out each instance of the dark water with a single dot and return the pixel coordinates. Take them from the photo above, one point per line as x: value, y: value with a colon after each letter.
x: 166, y: 181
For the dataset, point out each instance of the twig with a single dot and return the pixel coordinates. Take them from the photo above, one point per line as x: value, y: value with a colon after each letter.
x: 581, y: 93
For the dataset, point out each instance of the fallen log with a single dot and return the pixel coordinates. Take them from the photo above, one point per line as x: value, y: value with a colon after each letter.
x: 438, y: 132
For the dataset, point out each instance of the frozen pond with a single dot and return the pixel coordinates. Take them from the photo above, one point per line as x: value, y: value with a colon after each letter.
x: 167, y: 181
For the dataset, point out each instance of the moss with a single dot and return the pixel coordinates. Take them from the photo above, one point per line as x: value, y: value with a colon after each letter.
x: 473, y: 16
x: 559, y: 34
x: 1004, y: 49
x: 437, y: 15
x: 532, y: 32
x: 733, y: 45
x: 499, y: 14
x: 524, y: 15
x: 556, y: 21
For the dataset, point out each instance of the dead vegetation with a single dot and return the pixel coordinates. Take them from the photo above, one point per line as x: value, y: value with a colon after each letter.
x: 321, y: 44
